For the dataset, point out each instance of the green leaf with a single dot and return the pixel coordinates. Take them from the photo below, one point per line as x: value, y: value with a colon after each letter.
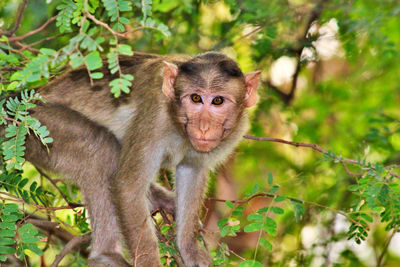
x: 225, y: 231
x: 222, y: 222
x: 65, y: 15
x: 274, y: 189
x: 237, y: 213
x: 253, y: 227
x: 250, y: 263
x: 255, y: 217
x: 93, y: 60
x: 229, y: 204
x: 265, y: 243
x: 7, y: 233
x: 270, y: 178
x: 125, y: 49
x: 277, y: 210
x: 367, y: 217
x: 280, y: 198
x: 7, y: 250
x: 298, y: 210
x: 97, y: 75
x: 7, y: 241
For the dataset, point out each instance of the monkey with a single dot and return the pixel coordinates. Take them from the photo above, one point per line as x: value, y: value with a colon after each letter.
x: 183, y: 113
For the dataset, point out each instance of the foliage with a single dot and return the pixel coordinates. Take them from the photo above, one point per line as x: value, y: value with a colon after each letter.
x: 16, y: 238
x: 345, y: 100
x: 16, y: 110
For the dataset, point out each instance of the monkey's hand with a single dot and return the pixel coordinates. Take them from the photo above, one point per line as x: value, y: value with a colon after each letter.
x: 194, y: 255
x: 160, y: 197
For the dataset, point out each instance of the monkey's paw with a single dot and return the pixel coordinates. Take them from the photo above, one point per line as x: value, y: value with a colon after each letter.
x: 195, y: 256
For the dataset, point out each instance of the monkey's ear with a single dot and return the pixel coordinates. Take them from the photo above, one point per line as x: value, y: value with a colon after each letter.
x: 251, y: 80
x: 169, y: 76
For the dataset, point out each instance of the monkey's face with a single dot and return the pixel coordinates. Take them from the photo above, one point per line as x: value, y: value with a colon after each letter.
x: 209, y: 117
x: 208, y: 94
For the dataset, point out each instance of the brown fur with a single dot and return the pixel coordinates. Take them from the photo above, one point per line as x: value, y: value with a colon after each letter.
x: 114, y: 148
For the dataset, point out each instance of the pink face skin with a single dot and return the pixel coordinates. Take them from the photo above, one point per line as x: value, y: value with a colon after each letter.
x: 207, y: 122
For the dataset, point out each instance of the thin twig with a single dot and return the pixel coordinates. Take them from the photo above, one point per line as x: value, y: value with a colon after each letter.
x: 76, y: 241
x: 350, y: 172
x: 297, y: 50
x: 19, y: 38
x: 72, y: 204
x: 44, y: 40
x: 384, y: 250
x: 39, y: 207
x: 26, y: 47
x: 269, y: 195
x: 164, y: 173
x: 18, y: 21
x: 104, y: 25
x: 317, y: 148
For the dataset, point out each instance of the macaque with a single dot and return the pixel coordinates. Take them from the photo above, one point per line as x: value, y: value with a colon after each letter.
x: 185, y: 114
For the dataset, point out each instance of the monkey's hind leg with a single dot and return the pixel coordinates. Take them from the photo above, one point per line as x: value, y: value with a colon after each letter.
x: 87, y: 154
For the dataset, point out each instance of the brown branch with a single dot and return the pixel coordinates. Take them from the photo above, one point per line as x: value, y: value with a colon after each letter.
x: 385, y: 248
x: 72, y: 204
x: 55, y: 229
x: 44, y: 40
x: 314, y: 15
x: 39, y: 207
x: 317, y: 148
x: 275, y: 89
x: 297, y: 49
x: 76, y: 241
x: 269, y: 195
x: 164, y: 174
x: 104, y: 25
x: 349, y: 172
x: 51, y: 227
x: 26, y: 47
x: 18, y: 21
x: 19, y: 38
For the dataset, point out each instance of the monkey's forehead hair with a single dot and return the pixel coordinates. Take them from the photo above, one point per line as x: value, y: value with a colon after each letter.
x: 211, y: 60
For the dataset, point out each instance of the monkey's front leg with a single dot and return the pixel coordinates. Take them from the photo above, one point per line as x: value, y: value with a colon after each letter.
x: 130, y: 188
x: 190, y: 183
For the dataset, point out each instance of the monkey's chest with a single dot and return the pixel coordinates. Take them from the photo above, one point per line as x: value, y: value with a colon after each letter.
x: 174, y: 152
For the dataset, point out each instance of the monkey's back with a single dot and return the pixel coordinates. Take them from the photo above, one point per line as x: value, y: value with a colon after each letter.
x: 96, y: 102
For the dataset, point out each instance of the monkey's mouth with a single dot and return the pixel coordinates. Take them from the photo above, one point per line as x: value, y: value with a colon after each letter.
x: 204, y: 145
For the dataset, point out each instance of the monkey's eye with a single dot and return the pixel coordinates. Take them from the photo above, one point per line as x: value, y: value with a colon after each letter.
x: 218, y: 100
x: 196, y: 98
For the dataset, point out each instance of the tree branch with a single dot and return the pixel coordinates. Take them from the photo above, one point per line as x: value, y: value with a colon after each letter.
x: 76, y: 241
x: 297, y: 50
x: 18, y: 21
x: 71, y: 204
x: 317, y: 148
x: 39, y: 207
x: 19, y: 38
x: 269, y: 195
x: 98, y: 22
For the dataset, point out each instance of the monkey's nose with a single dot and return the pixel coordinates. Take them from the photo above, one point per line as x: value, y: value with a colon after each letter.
x: 204, y: 126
